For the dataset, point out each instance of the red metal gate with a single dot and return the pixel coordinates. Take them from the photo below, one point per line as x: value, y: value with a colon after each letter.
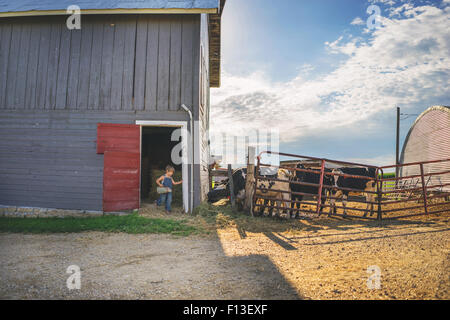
x: 427, y: 191
x: 386, y: 198
x: 121, y: 170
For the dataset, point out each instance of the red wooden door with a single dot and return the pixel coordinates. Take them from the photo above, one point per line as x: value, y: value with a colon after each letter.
x: 121, y: 178
x: 121, y: 167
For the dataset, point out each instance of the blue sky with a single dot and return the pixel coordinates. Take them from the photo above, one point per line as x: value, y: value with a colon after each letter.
x: 313, y: 70
x: 281, y: 36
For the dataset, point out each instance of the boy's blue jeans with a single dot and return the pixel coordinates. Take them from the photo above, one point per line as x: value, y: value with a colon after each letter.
x: 165, y: 198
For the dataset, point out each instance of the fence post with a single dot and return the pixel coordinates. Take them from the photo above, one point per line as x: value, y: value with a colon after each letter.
x: 379, y: 181
x: 231, y: 186
x: 319, y: 197
x: 255, y: 184
x: 424, y: 189
x: 250, y: 180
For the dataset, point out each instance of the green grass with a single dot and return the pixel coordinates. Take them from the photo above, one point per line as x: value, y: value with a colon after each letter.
x: 388, y: 184
x: 132, y: 224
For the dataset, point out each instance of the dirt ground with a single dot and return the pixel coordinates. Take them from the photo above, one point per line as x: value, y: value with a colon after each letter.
x: 241, y: 258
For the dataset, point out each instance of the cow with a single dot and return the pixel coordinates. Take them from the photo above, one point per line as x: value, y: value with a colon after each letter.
x: 365, y: 186
x: 239, y: 181
x: 265, y: 187
x: 308, y: 177
x: 277, y: 192
x: 218, y: 193
x: 222, y: 190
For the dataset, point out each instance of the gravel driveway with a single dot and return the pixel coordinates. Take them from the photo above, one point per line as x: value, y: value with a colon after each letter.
x: 264, y: 259
x: 123, y: 266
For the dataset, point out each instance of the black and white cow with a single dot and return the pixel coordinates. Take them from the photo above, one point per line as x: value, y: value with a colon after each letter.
x: 265, y: 188
x: 361, y: 184
x: 218, y: 193
x: 222, y: 190
x: 277, y: 192
x: 239, y: 180
x: 308, y: 177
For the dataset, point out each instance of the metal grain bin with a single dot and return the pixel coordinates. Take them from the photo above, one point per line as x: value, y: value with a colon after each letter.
x: 427, y: 140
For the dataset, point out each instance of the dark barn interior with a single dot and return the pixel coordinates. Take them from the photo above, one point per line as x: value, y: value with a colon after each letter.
x: 156, y: 155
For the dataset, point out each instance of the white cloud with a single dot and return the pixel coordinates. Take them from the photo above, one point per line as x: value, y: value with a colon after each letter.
x: 357, y: 21
x: 405, y: 62
x: 386, y: 2
x: 397, y: 11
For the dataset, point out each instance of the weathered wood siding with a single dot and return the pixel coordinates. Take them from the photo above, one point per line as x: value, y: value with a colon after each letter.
x: 49, y: 158
x: 56, y: 85
x: 119, y: 62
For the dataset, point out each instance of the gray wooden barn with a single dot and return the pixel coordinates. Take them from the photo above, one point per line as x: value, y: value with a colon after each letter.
x: 86, y: 114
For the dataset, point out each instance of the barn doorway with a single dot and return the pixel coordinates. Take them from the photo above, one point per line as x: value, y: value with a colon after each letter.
x: 156, y: 154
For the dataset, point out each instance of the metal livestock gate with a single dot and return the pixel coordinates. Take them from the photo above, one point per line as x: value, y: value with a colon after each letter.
x: 391, y: 197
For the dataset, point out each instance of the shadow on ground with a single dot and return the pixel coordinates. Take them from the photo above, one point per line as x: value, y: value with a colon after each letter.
x: 125, y: 266
x: 285, y: 232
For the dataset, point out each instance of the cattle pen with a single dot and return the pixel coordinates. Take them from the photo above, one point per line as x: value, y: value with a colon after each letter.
x: 341, y: 194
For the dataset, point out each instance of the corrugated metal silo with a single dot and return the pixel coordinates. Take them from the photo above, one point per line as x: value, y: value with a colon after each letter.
x: 427, y: 140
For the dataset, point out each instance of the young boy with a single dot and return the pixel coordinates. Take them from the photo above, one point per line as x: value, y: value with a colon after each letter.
x: 166, y: 181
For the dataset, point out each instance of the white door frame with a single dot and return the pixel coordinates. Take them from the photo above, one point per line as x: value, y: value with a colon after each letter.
x: 185, y: 174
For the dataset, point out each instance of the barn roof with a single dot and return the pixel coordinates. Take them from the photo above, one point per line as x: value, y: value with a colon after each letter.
x: 19, y: 8
x: 33, y: 7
